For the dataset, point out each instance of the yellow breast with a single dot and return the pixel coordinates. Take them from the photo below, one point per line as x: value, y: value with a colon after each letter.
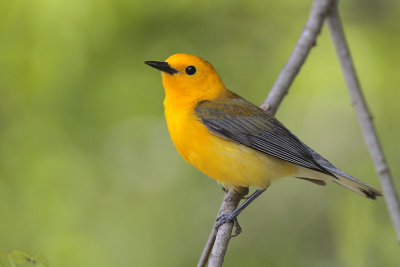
x: 224, y: 160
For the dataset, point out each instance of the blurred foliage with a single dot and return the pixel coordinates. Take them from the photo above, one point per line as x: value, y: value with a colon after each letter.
x: 21, y: 259
x: 89, y: 176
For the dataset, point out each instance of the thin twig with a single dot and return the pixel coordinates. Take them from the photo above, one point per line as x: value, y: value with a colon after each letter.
x: 306, y: 41
x: 299, y: 54
x: 364, y: 117
x: 207, y: 249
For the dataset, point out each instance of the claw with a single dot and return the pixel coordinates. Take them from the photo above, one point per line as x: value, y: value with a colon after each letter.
x: 225, y: 218
x: 238, y: 228
x: 232, y: 216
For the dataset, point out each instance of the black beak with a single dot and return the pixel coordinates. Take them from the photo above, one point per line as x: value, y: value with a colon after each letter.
x: 163, y: 66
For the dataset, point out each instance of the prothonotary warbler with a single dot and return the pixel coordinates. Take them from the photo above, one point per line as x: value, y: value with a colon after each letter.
x: 234, y: 141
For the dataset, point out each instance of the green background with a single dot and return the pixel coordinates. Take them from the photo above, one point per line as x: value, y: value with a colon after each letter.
x: 89, y: 176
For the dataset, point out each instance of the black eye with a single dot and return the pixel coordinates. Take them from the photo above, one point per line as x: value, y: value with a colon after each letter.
x: 190, y: 70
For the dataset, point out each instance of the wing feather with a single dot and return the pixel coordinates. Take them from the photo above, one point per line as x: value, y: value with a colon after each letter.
x: 251, y: 126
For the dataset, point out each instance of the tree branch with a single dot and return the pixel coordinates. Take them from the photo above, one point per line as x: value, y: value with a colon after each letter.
x: 224, y: 232
x: 218, y: 241
x: 299, y: 54
x: 364, y: 117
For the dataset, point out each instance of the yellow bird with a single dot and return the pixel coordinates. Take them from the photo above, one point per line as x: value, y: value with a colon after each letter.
x: 234, y: 141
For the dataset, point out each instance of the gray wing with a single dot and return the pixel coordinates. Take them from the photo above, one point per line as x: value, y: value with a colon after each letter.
x: 247, y: 124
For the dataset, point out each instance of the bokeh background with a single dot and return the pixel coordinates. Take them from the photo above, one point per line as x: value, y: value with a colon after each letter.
x: 89, y: 176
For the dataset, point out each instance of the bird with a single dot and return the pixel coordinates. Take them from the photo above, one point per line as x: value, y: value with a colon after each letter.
x: 234, y: 141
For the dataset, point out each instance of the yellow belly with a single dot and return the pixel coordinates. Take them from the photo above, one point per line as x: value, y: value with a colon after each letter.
x: 226, y: 161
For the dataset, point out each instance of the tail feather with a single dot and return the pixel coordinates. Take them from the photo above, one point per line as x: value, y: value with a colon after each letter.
x: 314, y: 181
x: 358, y: 186
x: 345, y: 180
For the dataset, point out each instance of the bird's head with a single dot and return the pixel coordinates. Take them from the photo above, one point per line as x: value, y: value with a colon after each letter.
x: 188, y: 77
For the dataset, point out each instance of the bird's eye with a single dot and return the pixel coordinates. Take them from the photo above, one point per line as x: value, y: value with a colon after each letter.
x: 190, y: 70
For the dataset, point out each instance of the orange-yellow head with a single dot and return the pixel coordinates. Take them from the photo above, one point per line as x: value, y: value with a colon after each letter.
x: 189, y: 78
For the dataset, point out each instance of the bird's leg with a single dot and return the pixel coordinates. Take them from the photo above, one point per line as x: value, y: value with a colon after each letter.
x: 233, y: 216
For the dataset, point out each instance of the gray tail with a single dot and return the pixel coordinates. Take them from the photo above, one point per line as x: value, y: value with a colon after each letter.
x: 357, y: 186
x: 345, y: 180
